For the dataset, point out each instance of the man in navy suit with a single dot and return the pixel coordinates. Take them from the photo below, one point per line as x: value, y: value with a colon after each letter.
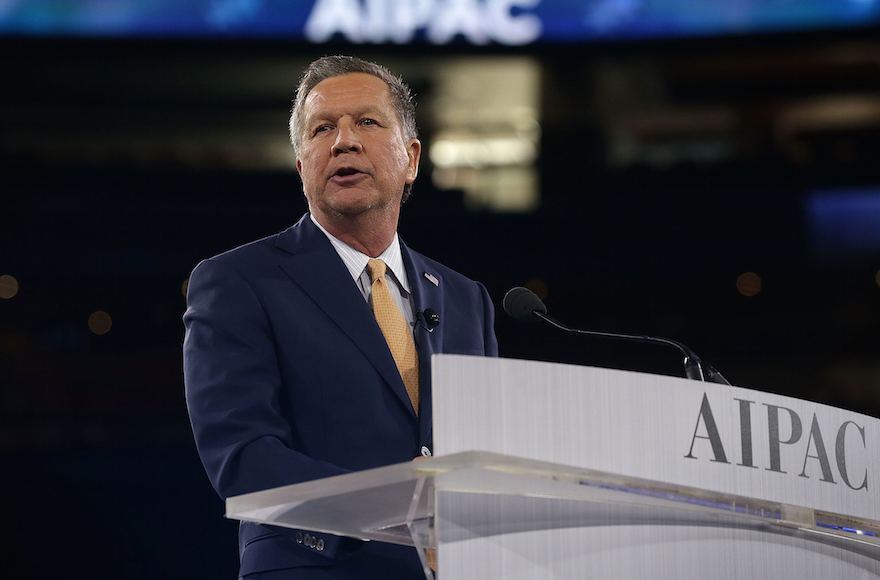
x: 288, y: 375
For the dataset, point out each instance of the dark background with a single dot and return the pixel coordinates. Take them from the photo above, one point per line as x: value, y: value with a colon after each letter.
x: 104, y: 206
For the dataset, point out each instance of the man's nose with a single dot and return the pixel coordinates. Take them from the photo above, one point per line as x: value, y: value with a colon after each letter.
x: 346, y: 138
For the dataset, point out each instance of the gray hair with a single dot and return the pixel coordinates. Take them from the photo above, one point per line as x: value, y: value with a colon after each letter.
x: 336, y: 66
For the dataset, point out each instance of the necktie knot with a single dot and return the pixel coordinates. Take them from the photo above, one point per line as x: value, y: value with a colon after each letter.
x: 376, y: 270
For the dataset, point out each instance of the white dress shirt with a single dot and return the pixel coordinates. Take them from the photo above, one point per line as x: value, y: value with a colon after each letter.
x: 395, y: 273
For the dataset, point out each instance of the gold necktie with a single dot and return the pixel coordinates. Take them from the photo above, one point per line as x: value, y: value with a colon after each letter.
x: 396, y: 330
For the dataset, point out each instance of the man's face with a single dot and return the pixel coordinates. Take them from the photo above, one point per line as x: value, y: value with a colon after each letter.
x: 353, y: 158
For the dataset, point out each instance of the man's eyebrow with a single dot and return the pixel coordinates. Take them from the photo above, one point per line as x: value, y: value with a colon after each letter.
x: 324, y: 114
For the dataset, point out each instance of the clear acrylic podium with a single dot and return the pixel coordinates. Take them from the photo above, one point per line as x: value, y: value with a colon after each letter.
x: 511, y: 509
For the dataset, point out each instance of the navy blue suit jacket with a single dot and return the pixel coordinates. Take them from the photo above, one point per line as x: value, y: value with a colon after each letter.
x: 289, y: 379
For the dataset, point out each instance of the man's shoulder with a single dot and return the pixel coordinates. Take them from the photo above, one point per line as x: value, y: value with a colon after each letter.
x: 255, y: 251
x: 247, y: 254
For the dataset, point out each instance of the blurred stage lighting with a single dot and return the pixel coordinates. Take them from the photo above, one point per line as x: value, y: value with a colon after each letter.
x: 539, y: 287
x: 100, y: 322
x: 748, y: 284
x: 8, y: 286
x: 844, y: 222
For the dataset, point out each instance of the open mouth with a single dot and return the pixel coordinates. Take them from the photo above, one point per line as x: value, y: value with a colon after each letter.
x: 347, y: 176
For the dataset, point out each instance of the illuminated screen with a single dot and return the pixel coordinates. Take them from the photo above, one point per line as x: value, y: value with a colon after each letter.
x: 844, y: 221
x: 511, y: 22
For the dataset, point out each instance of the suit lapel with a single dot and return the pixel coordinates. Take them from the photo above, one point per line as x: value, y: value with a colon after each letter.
x: 313, y: 264
x: 427, y: 288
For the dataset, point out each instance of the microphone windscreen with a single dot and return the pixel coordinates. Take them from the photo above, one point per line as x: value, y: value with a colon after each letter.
x: 432, y: 318
x: 520, y: 303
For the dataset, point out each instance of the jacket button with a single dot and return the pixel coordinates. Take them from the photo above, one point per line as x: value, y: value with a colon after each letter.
x: 320, y: 545
x: 425, y: 451
x: 299, y: 538
x: 312, y: 542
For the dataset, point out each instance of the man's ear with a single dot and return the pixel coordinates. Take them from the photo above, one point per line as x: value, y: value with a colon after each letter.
x: 414, y: 151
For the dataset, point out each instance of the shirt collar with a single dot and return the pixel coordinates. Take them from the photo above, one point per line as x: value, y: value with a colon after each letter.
x: 356, y: 261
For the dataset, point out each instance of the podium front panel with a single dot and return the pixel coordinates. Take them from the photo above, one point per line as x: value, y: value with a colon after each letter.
x: 701, y: 435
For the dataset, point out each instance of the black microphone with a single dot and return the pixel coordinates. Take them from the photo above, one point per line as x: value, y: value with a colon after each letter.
x: 429, y: 319
x: 523, y: 305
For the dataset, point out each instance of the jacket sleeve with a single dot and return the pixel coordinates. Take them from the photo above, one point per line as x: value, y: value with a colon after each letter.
x: 232, y: 381
x: 489, y: 339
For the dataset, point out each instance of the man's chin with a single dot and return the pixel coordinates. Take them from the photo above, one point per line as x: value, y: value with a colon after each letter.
x: 355, y: 203
x: 352, y: 208
x: 343, y: 201
x: 349, y: 210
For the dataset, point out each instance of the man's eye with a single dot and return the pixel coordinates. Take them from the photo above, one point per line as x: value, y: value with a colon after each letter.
x: 369, y: 122
x: 322, y: 129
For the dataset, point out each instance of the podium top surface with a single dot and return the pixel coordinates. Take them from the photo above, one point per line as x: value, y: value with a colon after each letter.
x: 384, y: 503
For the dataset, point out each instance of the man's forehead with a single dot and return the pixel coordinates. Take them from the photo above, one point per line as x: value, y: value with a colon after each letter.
x: 353, y: 89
